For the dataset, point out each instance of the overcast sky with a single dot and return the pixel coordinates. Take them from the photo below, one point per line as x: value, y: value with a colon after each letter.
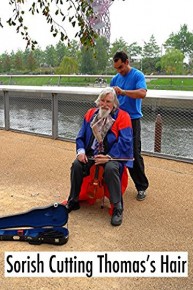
x: 130, y: 19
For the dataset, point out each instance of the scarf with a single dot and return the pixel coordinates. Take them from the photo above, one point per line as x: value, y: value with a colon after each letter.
x: 100, y: 125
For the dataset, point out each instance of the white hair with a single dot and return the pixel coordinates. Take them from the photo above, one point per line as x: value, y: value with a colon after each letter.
x: 106, y: 91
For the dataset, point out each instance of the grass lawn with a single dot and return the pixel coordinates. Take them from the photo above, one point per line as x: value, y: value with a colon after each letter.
x: 52, y: 80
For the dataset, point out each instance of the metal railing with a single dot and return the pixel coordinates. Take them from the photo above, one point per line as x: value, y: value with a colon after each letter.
x: 57, y: 112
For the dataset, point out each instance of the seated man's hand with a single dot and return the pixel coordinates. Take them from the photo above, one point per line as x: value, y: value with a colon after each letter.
x: 82, y: 158
x: 101, y: 159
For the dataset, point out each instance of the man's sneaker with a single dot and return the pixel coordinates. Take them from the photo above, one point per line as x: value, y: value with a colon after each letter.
x: 117, y: 216
x: 141, y: 195
x: 72, y: 205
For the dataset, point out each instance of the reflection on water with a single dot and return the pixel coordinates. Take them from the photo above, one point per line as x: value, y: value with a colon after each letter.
x: 177, y: 133
x: 68, y: 126
x: 36, y: 121
x: 70, y: 118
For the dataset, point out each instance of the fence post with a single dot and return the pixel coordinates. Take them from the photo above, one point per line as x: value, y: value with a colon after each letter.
x: 158, y: 134
x: 6, y: 110
x: 54, y: 116
x: 59, y: 79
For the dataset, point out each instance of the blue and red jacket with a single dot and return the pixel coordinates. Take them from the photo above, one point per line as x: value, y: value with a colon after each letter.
x: 119, y: 139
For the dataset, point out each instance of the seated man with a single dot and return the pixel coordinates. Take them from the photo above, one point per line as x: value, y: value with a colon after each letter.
x: 106, y: 139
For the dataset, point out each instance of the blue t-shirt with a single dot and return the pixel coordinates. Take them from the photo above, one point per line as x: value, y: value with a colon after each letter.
x: 133, y: 80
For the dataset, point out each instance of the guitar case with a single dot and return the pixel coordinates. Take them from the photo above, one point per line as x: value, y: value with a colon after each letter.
x: 46, y: 226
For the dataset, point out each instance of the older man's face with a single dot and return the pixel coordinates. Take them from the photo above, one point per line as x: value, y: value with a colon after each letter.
x: 106, y: 105
x: 107, y: 102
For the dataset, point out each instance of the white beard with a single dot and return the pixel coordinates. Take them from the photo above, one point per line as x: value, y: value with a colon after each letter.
x: 103, y: 113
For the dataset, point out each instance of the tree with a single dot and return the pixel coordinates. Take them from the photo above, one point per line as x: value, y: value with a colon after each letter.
x: 31, y: 62
x: 182, y: 40
x: 39, y: 56
x: 88, y: 63
x: 50, y: 56
x: 68, y: 66
x: 151, y: 49
x: 190, y: 65
x: 73, y: 49
x: 76, y: 12
x: 102, y: 57
x: 1, y: 64
x: 117, y: 45
x: 6, y: 62
x: 26, y: 54
x: 18, y: 60
x: 150, y: 55
x: 135, y: 51
x: 94, y: 61
x: 61, y: 51
x: 172, y: 61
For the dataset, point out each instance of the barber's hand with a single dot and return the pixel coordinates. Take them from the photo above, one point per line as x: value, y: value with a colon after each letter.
x: 118, y: 90
x: 101, y: 159
x: 82, y: 158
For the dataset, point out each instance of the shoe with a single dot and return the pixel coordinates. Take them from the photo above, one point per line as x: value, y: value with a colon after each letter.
x: 141, y: 195
x: 72, y: 205
x: 117, y: 216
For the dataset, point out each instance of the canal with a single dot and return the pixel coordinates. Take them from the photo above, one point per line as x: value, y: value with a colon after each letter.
x: 36, y: 117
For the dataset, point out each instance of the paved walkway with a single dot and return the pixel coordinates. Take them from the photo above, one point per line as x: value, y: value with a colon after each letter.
x: 34, y: 172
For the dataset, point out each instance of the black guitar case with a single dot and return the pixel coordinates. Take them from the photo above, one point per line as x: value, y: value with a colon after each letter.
x: 46, y: 226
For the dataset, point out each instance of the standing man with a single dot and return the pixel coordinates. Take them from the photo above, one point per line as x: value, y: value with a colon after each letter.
x: 130, y: 87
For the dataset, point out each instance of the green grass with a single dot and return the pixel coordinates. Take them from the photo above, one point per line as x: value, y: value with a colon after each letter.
x: 171, y: 84
x: 48, y: 81
x: 156, y: 84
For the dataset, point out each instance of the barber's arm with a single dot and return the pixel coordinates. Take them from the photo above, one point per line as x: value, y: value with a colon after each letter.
x: 135, y: 94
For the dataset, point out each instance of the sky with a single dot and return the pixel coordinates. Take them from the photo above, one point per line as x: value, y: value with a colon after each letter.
x: 133, y: 20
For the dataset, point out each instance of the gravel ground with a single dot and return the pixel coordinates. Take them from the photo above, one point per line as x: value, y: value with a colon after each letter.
x: 35, y: 172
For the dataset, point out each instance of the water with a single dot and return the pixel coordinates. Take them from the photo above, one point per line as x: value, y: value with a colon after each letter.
x: 36, y: 117
x: 177, y: 134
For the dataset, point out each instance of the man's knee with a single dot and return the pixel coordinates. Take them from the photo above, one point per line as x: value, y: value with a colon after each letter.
x: 111, y: 169
x: 76, y: 165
